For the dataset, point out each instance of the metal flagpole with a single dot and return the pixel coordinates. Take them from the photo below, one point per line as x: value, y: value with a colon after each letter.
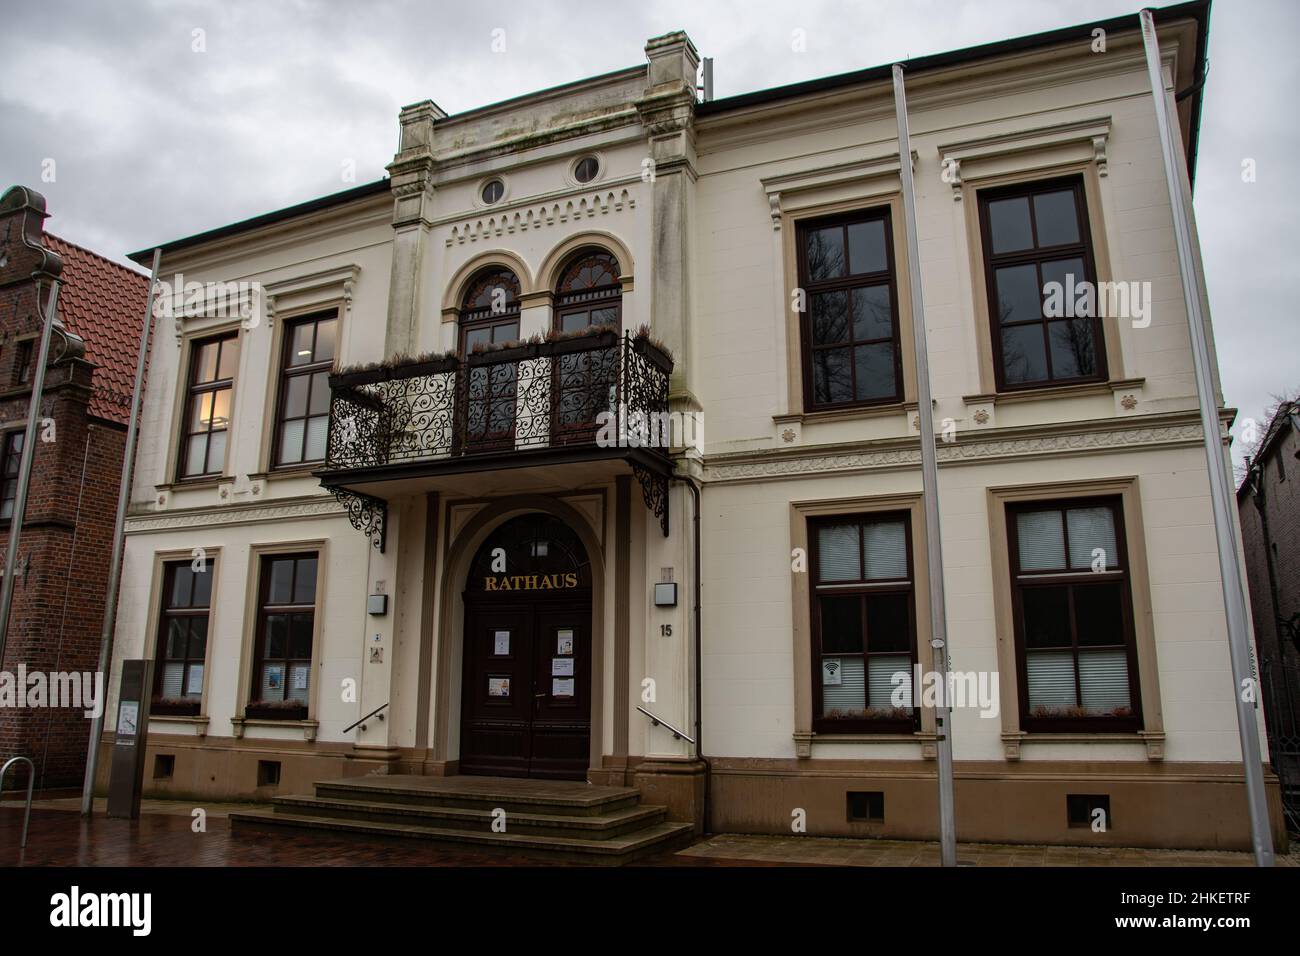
x: 929, y: 486
x: 25, y: 466
x: 1221, y: 496
x: 115, y: 566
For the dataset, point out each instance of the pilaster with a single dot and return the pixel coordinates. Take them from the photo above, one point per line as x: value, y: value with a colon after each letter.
x: 411, y: 178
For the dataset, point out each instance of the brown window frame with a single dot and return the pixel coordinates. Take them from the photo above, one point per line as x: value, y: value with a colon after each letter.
x: 585, y: 301
x: 258, y: 708
x: 476, y: 318
x: 289, y: 372
x: 862, y: 587
x: 167, y: 612
x: 1120, y: 572
x: 1036, y: 255
x: 583, y: 383
x: 12, y: 455
x: 487, y: 394
x: 846, y: 283
x: 193, y: 390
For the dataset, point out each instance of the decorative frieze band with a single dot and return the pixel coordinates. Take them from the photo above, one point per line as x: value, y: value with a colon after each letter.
x: 782, y: 464
x: 535, y: 217
x: 208, y: 517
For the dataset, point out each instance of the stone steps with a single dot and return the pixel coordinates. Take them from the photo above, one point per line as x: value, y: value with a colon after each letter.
x: 555, y: 819
x: 591, y: 826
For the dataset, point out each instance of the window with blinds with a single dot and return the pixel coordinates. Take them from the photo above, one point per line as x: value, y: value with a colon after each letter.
x: 1073, y: 616
x: 182, y: 637
x: 285, y: 629
x: 863, y: 625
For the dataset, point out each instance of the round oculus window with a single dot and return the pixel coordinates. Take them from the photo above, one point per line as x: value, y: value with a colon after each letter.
x: 586, y: 169
x: 493, y: 190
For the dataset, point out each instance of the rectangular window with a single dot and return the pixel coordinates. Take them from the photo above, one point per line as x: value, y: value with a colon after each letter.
x: 1073, y: 616
x: 13, y: 455
x: 182, y: 637
x: 207, y: 406
x: 286, y: 620
x: 863, y: 626
x: 23, y: 363
x: 302, y: 421
x: 849, y: 318
x: 1038, y: 261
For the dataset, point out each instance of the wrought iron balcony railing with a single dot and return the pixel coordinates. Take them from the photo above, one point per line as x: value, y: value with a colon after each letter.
x: 580, y: 396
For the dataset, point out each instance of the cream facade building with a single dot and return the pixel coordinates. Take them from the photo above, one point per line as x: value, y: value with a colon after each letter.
x: 398, y: 508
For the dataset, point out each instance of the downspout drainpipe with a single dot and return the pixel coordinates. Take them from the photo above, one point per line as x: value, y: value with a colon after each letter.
x: 698, y: 641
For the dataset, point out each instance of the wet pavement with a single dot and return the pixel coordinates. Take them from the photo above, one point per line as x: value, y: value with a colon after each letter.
x: 165, y: 836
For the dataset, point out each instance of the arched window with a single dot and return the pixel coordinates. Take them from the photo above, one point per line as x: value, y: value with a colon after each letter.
x: 589, y: 292
x: 489, y: 315
x: 489, y: 312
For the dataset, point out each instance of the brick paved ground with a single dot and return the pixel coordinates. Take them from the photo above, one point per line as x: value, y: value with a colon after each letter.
x: 163, y: 837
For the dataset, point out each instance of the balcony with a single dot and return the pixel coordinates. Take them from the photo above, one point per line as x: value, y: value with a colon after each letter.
x: 578, y: 407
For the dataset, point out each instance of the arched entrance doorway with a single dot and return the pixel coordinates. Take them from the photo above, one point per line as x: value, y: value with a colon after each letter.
x: 526, y: 679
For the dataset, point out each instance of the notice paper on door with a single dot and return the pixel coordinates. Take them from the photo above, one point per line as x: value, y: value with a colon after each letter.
x: 561, y: 686
x: 562, y: 666
x: 501, y: 643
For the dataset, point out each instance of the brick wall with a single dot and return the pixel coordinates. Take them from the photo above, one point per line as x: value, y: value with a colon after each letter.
x: 64, y: 550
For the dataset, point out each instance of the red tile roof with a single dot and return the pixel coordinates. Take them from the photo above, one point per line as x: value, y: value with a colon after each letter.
x: 103, y: 303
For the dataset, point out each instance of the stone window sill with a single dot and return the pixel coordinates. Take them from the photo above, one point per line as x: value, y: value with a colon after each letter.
x: 1154, y: 741
x: 1054, y: 391
x: 284, y: 473
x: 846, y: 414
x: 199, y: 723
x: 308, y: 727
x: 803, y: 741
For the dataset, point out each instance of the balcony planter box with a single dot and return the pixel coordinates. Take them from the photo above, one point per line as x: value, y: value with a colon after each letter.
x: 513, y: 353
x: 386, y: 373
x: 275, y: 711
x: 438, y: 366
x: 171, y: 707
x: 657, y: 356
x: 604, y: 339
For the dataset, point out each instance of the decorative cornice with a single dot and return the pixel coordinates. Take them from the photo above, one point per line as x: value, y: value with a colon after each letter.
x: 823, y: 177
x: 667, y: 110
x: 327, y: 284
x: 998, y: 445
x: 1094, y: 132
x: 207, y: 517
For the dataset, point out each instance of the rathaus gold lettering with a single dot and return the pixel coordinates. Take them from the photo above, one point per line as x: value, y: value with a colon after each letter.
x: 531, y: 582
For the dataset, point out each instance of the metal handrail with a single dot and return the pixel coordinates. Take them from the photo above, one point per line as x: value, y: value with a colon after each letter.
x: 362, y: 721
x: 31, y: 779
x: 677, y: 734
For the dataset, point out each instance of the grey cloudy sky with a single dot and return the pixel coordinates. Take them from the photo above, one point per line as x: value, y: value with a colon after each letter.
x: 152, y: 140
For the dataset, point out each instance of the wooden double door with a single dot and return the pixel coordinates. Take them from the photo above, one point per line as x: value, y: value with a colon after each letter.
x: 526, y: 691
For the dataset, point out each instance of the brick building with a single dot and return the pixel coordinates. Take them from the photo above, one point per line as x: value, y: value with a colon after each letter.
x: 63, y: 556
x: 1268, y: 502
